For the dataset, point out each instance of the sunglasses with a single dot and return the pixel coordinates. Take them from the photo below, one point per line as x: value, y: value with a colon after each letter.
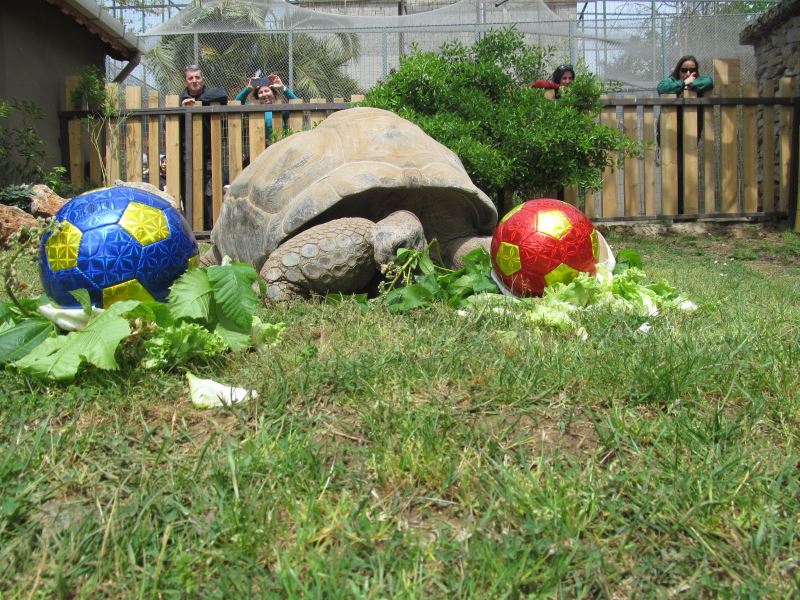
x: 689, y: 70
x: 565, y: 68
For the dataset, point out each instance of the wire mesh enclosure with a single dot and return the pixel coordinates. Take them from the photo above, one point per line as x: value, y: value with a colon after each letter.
x: 335, y: 49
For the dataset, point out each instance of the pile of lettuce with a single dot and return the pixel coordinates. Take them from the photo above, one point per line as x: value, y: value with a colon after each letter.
x: 472, y: 288
x: 209, y: 311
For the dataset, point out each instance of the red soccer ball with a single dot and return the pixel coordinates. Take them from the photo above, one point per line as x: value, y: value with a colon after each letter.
x: 542, y: 242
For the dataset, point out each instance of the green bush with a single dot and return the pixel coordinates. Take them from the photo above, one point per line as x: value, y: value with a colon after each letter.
x: 21, y: 148
x: 512, y: 141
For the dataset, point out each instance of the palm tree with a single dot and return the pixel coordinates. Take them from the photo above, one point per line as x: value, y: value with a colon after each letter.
x: 234, y: 39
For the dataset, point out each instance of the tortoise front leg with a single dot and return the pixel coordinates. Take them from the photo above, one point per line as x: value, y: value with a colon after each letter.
x: 336, y: 256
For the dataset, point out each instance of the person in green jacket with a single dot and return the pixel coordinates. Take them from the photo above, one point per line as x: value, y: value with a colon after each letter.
x: 266, y: 94
x: 686, y: 76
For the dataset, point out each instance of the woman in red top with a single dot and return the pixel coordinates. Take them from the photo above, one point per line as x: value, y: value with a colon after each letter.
x: 562, y: 77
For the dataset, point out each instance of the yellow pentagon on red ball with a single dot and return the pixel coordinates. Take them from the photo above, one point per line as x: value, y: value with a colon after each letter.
x: 511, y: 213
x: 595, y: 244
x: 62, y: 247
x: 146, y: 224
x: 127, y: 290
x: 507, y: 258
x: 563, y: 273
x: 553, y: 223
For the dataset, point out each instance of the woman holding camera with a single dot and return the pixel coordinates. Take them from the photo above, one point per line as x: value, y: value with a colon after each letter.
x: 265, y: 92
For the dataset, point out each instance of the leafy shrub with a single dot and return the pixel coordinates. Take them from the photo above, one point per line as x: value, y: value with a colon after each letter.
x: 21, y: 147
x: 510, y: 138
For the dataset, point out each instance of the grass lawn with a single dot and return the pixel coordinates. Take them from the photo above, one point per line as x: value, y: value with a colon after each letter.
x: 431, y: 455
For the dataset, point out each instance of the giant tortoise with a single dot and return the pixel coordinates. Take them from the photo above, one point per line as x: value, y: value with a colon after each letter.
x: 323, y: 210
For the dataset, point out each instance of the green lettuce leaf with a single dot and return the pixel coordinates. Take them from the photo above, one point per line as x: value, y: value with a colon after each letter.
x: 60, y: 357
x: 232, y: 286
x: 181, y: 344
x: 191, y: 295
x: 18, y: 340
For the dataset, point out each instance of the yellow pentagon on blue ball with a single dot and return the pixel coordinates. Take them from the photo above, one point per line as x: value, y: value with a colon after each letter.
x: 62, y: 247
x: 563, y: 273
x: 146, y: 224
x: 553, y: 223
x: 127, y: 290
x: 507, y: 258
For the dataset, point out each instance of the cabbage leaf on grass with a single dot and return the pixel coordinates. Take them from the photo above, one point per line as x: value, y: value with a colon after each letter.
x: 208, y: 312
x: 472, y: 289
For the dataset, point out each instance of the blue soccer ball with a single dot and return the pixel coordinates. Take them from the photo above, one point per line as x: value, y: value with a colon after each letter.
x: 118, y: 243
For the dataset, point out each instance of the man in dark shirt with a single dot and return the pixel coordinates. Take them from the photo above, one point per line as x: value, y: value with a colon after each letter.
x: 197, y: 93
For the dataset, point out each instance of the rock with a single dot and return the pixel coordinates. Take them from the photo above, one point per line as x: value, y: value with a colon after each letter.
x: 44, y: 201
x: 11, y: 220
x: 147, y: 187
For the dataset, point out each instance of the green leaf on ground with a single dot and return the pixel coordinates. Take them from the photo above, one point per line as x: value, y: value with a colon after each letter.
x: 232, y: 286
x: 20, y: 339
x: 191, y: 295
x: 60, y: 357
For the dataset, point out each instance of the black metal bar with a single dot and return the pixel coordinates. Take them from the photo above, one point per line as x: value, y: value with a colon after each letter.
x: 63, y: 138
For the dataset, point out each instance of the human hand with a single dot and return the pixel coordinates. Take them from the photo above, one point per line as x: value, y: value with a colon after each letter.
x: 188, y: 102
x: 689, y: 81
x: 275, y: 81
x: 250, y: 83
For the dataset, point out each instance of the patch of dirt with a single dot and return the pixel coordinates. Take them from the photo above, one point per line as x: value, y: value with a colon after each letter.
x: 542, y: 434
x: 762, y: 245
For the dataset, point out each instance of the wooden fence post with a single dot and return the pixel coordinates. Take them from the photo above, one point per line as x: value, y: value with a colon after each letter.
x: 234, y: 142
x: 153, y: 125
x: 296, y: 117
x: 197, y: 172
x: 608, y: 117
x: 633, y: 182
x: 750, y: 150
x: 727, y: 76
x: 257, y: 132
x: 216, y: 166
x: 691, y: 165
x: 133, y: 135
x: 113, y: 135
x: 74, y: 134
x: 316, y: 115
x: 669, y: 160
x: 172, y: 143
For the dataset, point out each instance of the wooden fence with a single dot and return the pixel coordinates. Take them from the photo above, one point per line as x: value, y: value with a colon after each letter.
x: 730, y: 154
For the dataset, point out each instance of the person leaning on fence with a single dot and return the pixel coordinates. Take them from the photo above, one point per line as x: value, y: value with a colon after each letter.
x: 267, y: 91
x: 686, y: 76
x: 196, y: 92
x: 563, y: 76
